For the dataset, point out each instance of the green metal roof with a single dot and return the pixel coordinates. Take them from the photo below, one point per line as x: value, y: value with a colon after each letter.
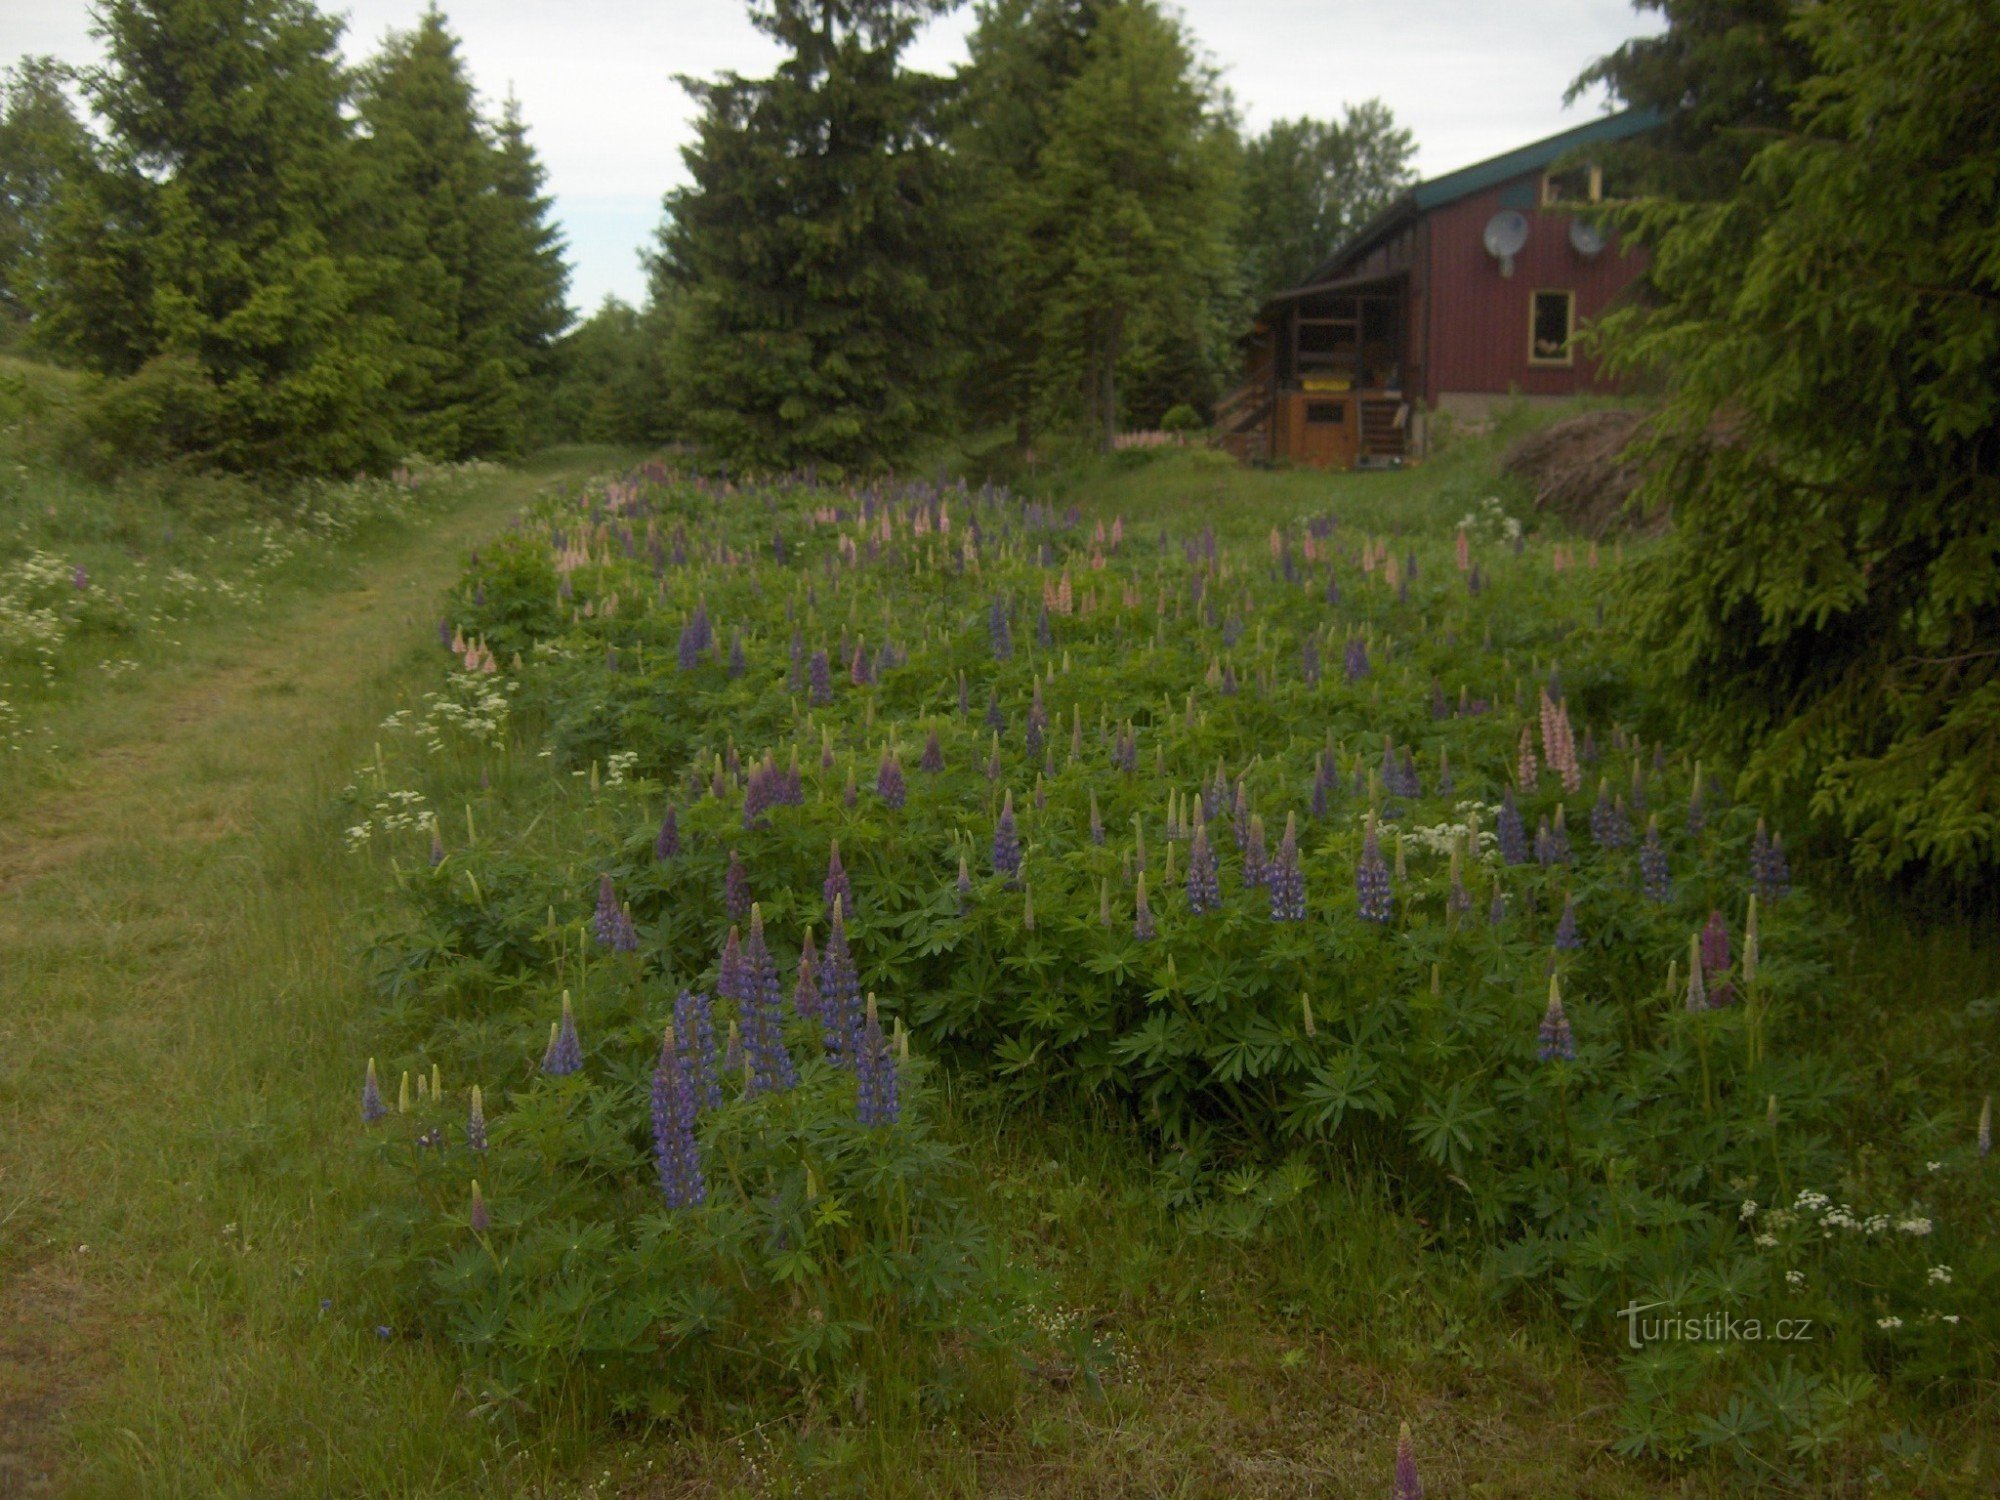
x: 1530, y: 158
x: 1495, y: 170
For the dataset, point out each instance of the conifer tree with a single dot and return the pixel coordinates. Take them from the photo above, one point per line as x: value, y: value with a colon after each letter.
x: 812, y: 327
x: 217, y: 244
x: 470, y: 269
x: 1130, y: 220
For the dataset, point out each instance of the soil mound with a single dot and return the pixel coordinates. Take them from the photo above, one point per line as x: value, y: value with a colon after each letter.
x: 1578, y: 471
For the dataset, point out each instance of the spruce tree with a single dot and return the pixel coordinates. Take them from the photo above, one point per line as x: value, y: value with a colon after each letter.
x: 218, y: 241
x: 812, y: 328
x: 1130, y: 221
x: 527, y: 291
x: 1828, y: 601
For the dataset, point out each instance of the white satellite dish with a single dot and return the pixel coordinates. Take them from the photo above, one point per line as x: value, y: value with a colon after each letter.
x: 1586, y: 238
x: 1506, y: 232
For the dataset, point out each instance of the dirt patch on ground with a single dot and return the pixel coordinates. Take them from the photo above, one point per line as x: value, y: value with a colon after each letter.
x: 1578, y: 471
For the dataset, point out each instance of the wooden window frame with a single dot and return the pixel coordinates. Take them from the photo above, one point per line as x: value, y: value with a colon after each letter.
x: 1594, y: 192
x: 1567, y: 359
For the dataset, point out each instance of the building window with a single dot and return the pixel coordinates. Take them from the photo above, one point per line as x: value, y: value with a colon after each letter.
x: 1551, y: 322
x: 1327, y: 413
x: 1578, y: 185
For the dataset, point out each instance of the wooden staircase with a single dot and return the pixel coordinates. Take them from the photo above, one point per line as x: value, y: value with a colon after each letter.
x: 1384, y: 432
x: 1243, y: 417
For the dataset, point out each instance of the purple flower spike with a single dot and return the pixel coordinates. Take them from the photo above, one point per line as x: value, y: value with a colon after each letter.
x: 762, y: 1006
x: 565, y: 1052
x: 933, y: 757
x: 437, y: 847
x: 1142, y: 915
x: 805, y: 991
x: 836, y: 886
x: 675, y: 1151
x: 668, y: 844
x: 1556, y: 1043
x: 480, y: 1218
x: 1006, y: 842
x: 612, y: 924
x: 1408, y: 1485
x: 1496, y: 912
x: 1288, y: 881
x: 1653, y: 874
x: 1566, y: 939
x: 820, y: 676
x: 736, y: 889
x: 1371, y: 879
x: 1513, y: 833
x: 372, y: 1107
x: 1356, y: 664
x: 1204, y: 886
x: 840, y: 996
x: 475, y: 1121
x: 889, y: 783
x: 1715, y: 960
x: 998, y: 631
x: 1256, y: 863
x: 878, y: 1095
x: 1768, y: 867
x: 694, y: 1023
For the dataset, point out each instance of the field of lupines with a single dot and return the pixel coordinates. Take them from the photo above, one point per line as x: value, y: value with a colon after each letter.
x: 746, y: 820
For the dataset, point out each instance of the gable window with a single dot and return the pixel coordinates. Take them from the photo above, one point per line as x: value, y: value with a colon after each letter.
x: 1551, y: 323
x: 1577, y: 185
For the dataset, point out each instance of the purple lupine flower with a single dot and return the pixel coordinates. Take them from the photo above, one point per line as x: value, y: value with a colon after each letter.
x: 1610, y: 828
x: 1256, y: 862
x: 676, y: 1153
x: 1408, y: 1485
x: 1356, y: 664
x: 1309, y: 661
x: 565, y: 1051
x: 859, y: 670
x: 1239, y: 820
x: 889, y: 784
x: 372, y: 1107
x: 1654, y: 878
x: 737, y: 666
x: 1769, y: 869
x: 1204, y: 885
x: 437, y: 847
x: 736, y: 889
x: 839, y: 996
x: 1044, y: 636
x: 1325, y: 781
x: 1697, y: 816
x: 763, y: 1012
x: 732, y: 1048
x: 480, y: 1218
x: 475, y: 1121
x: 1556, y: 1043
x: 1715, y: 960
x: 1332, y: 588
x: 964, y: 882
x: 878, y: 1095
x: 1142, y: 914
x: 1007, y: 842
x: 1371, y: 879
x: 694, y: 1023
x: 1458, y: 902
x: 668, y: 844
x: 1552, y: 840
x: 805, y: 991
x: 995, y: 720
x: 795, y: 673
x: 1440, y: 707
x: 1513, y: 835
x: 1408, y: 783
x: 612, y: 923
x: 1496, y: 910
x: 998, y: 631
x: 444, y: 632
x: 836, y: 886
x: 933, y: 757
x: 1288, y: 881
x: 1229, y: 680
x: 820, y: 676
x: 1567, y: 940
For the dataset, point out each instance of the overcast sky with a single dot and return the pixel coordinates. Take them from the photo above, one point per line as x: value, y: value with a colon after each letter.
x: 1471, y: 78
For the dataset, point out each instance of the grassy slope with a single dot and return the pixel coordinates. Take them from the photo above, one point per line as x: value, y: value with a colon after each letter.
x: 178, y: 920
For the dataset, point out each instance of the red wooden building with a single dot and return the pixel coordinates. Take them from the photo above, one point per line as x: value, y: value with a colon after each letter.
x: 1468, y: 290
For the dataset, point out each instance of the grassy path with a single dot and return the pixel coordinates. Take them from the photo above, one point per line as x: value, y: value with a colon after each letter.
x: 177, y: 1064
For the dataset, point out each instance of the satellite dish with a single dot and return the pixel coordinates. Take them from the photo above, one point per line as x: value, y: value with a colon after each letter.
x: 1506, y: 232
x: 1586, y: 238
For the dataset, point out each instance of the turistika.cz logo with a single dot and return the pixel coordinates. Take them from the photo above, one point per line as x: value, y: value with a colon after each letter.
x: 1708, y: 1328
